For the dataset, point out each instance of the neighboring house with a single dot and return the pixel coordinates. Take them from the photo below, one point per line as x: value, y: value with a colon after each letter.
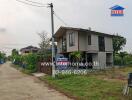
x: 96, y: 46
x: 29, y: 49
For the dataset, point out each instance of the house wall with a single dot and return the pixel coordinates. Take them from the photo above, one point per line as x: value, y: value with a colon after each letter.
x: 82, y: 42
x: 102, y: 59
x: 82, y: 38
x: 94, y: 43
x: 59, y: 46
x: 69, y: 49
x: 72, y: 48
x: 108, y: 44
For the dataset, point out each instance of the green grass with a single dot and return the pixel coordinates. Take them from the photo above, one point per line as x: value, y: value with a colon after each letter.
x: 93, y: 86
x: 103, y: 85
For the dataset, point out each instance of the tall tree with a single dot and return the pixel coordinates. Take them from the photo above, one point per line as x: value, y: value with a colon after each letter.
x: 45, y: 42
x: 15, y: 52
x: 118, y: 43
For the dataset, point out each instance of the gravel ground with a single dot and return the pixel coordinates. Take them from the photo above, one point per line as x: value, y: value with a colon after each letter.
x: 15, y: 85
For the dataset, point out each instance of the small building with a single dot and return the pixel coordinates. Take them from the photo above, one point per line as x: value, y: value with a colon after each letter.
x: 96, y: 46
x: 117, y: 11
x: 29, y: 49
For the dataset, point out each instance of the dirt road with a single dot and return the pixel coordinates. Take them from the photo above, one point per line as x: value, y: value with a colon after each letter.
x: 15, y: 85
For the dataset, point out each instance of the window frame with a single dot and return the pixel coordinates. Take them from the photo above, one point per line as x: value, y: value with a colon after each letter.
x: 89, y: 39
x: 71, y: 39
x: 101, y: 43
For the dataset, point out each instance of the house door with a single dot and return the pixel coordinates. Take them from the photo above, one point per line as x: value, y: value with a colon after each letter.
x: 89, y: 60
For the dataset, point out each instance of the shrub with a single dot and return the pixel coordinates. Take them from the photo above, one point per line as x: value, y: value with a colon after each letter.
x: 16, y: 59
x: 30, y: 61
x: 127, y: 60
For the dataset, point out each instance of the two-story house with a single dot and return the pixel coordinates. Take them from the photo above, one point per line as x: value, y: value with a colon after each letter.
x: 96, y: 46
x: 29, y: 49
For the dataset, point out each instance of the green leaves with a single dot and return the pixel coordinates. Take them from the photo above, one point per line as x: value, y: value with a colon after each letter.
x: 118, y: 43
x: 14, y: 52
x: 30, y: 60
x: 76, y: 55
x: 2, y: 56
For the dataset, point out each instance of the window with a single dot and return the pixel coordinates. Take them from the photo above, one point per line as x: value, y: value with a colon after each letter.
x: 109, y: 61
x: 71, y: 39
x: 101, y: 43
x: 89, y: 39
x: 64, y: 44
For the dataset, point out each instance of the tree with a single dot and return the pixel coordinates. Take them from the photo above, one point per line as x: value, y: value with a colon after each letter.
x: 15, y: 52
x: 45, y: 42
x: 118, y: 43
x: 122, y: 56
x: 2, y: 56
x: 76, y: 55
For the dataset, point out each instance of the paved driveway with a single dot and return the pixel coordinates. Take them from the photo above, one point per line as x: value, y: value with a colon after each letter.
x: 15, y: 85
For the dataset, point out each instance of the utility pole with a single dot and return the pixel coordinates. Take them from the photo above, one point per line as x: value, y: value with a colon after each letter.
x: 31, y: 3
x: 53, y: 50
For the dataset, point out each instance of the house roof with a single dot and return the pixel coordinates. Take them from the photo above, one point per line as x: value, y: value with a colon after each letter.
x: 29, y: 48
x: 117, y: 7
x: 60, y: 32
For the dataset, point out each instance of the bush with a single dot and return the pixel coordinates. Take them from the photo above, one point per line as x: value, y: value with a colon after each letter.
x: 16, y: 59
x: 117, y: 60
x: 2, y: 58
x: 30, y: 61
x: 127, y: 60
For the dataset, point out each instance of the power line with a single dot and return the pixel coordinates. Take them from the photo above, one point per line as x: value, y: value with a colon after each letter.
x: 60, y: 19
x: 31, y: 4
x: 35, y: 2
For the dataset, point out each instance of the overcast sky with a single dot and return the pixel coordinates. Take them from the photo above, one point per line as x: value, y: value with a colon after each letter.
x: 20, y: 23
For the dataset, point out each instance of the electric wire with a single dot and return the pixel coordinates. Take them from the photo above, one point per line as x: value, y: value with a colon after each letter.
x: 60, y: 19
x: 31, y: 4
x: 35, y: 2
